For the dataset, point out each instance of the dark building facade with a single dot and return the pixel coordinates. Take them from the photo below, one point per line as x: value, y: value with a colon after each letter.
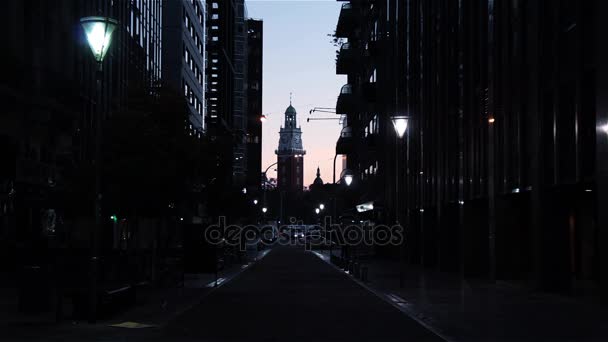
x: 290, y: 155
x: 501, y: 172
x: 47, y: 134
x: 227, y: 87
x: 184, y: 29
x: 255, y: 36
x: 49, y: 87
x: 239, y: 94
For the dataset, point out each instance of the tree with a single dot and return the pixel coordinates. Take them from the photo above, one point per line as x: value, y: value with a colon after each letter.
x: 151, y: 160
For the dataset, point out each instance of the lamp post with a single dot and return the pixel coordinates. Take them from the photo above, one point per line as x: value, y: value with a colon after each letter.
x: 347, y: 177
x: 98, y: 31
x: 265, y: 180
x: 400, y: 124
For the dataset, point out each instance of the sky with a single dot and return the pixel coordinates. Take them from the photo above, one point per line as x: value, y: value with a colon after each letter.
x: 299, y: 58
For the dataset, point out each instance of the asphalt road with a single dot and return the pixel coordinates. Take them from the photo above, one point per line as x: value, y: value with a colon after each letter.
x: 292, y: 295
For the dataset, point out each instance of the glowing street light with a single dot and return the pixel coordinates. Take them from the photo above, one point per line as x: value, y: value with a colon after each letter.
x: 264, y: 210
x: 400, y: 124
x: 348, y: 179
x: 98, y: 31
x: 317, y: 210
x: 263, y: 118
x: 99, y: 34
x: 322, y: 206
x: 255, y: 202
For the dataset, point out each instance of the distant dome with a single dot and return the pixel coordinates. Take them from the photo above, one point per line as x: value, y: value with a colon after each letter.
x: 318, y: 180
x: 290, y: 110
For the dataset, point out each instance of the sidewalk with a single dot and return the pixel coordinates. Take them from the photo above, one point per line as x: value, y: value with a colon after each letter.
x: 159, y: 306
x: 154, y: 308
x: 477, y: 310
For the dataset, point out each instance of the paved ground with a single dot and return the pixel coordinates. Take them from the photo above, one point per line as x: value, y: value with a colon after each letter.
x: 476, y: 310
x: 289, y: 295
x: 293, y: 295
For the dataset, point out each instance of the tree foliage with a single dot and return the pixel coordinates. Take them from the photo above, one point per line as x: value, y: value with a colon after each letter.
x: 150, y: 158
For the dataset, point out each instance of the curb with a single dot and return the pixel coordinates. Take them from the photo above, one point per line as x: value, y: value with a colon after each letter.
x: 391, y: 299
x: 214, y: 287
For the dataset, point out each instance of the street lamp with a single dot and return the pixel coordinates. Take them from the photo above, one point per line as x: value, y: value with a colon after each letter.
x: 322, y: 206
x: 317, y: 210
x: 98, y: 31
x: 264, y: 210
x: 255, y: 202
x: 263, y: 118
x: 99, y: 35
x: 400, y: 124
x: 348, y: 179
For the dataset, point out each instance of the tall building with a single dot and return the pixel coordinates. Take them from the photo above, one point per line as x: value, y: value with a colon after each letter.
x: 502, y: 169
x: 48, y: 91
x: 239, y: 114
x: 48, y: 126
x: 228, y: 88
x: 221, y: 26
x: 290, y: 154
x: 184, y: 29
x: 255, y: 45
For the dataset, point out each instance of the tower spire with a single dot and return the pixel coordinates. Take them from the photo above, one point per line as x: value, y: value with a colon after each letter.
x: 290, y: 95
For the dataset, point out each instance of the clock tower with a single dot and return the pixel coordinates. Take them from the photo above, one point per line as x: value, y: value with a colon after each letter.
x: 290, y: 154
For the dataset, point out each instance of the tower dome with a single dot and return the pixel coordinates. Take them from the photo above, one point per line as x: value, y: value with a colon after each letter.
x: 318, y: 180
x: 290, y: 110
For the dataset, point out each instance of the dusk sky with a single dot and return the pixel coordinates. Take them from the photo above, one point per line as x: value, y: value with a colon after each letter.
x: 299, y: 58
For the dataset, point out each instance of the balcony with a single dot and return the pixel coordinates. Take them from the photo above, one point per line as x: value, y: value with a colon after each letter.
x: 347, y: 102
x: 346, y: 21
x: 347, y: 59
x: 345, y: 142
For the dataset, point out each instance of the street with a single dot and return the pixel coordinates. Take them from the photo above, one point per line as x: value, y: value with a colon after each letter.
x: 293, y: 295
